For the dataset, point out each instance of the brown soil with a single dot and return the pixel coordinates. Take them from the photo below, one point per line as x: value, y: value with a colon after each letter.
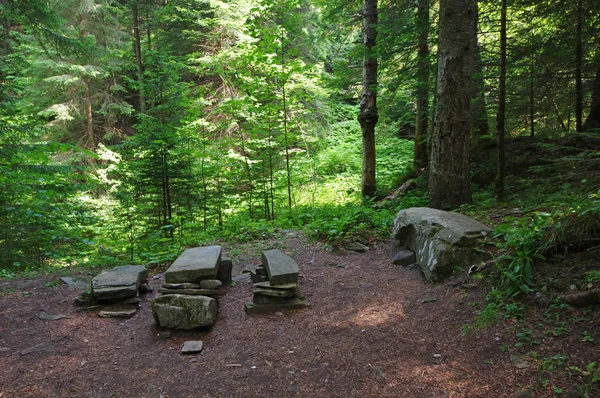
x: 371, y: 331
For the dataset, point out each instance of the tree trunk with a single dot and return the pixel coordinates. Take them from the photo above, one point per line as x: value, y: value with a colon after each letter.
x: 449, y: 164
x: 368, y: 116
x: 90, y: 142
x: 479, y: 111
x: 593, y: 119
x: 420, y: 151
x: 137, y: 47
x: 500, y: 165
x: 578, y: 65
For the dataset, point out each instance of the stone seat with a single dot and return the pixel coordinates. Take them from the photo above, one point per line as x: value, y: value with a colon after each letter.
x: 281, y: 268
x: 194, y: 265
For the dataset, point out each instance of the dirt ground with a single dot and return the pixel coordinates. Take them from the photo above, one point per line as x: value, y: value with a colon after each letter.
x: 372, y: 330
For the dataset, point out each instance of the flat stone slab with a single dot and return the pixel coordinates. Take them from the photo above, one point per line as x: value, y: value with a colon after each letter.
x: 117, y: 314
x: 281, y: 268
x: 192, y: 347
x: 274, y: 292
x: 269, y: 285
x: 253, y: 308
x: 179, y: 311
x: 181, y: 286
x: 193, y: 292
x: 195, y: 264
x: 119, y: 282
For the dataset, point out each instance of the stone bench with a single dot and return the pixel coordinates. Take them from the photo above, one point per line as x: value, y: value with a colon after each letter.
x: 194, y: 265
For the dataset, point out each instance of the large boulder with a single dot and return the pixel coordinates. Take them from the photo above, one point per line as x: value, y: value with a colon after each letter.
x: 179, y: 311
x: 441, y: 240
x: 119, y: 282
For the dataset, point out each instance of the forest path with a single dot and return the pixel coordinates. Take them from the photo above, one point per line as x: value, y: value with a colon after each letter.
x: 373, y: 330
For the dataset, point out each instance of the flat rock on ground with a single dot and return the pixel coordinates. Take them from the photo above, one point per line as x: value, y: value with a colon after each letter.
x: 119, y: 282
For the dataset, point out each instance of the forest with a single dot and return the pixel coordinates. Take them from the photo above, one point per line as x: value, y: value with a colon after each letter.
x: 133, y: 129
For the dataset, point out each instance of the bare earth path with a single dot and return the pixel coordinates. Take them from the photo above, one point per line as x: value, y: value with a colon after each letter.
x: 368, y: 333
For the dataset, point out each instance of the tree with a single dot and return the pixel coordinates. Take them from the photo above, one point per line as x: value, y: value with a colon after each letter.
x: 368, y: 116
x: 501, y: 116
x: 420, y: 156
x: 593, y: 119
x: 448, y: 166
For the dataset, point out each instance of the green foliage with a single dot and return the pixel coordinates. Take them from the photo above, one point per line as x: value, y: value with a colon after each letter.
x: 336, y: 224
x: 525, y: 238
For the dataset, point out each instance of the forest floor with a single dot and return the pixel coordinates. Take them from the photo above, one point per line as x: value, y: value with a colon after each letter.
x: 372, y: 330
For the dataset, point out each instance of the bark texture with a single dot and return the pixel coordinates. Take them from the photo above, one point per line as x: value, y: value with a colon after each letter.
x: 449, y: 166
x: 593, y: 119
x: 420, y: 152
x: 479, y: 110
x: 501, y: 116
x: 368, y: 116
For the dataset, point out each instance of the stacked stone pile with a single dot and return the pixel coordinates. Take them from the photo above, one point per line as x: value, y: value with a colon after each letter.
x: 276, y: 285
x: 187, y: 299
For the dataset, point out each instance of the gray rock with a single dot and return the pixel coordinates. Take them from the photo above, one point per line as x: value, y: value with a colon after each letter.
x: 117, y: 314
x: 404, y: 257
x: 274, y: 292
x: 268, y: 285
x: 441, y: 240
x: 192, y: 347
x: 193, y: 292
x: 37, y: 348
x: 51, y: 317
x: 119, y: 282
x: 194, y: 265
x: 73, y: 283
x: 212, y: 284
x: 181, y: 286
x: 356, y: 247
x: 224, y: 271
x: 280, y: 267
x: 178, y: 311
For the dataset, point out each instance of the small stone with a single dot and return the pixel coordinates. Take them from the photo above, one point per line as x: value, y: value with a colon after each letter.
x: 293, y: 389
x: 518, y: 361
x: 117, y: 314
x: 573, y: 287
x: 192, y: 347
x: 181, y: 286
x: 404, y: 257
x: 356, y: 247
x: 211, y: 284
x: 37, y: 348
x: 50, y: 317
x: 437, y: 356
x: 428, y: 300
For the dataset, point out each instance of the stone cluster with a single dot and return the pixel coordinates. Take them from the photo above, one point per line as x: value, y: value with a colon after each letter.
x: 275, y: 285
x: 187, y: 298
